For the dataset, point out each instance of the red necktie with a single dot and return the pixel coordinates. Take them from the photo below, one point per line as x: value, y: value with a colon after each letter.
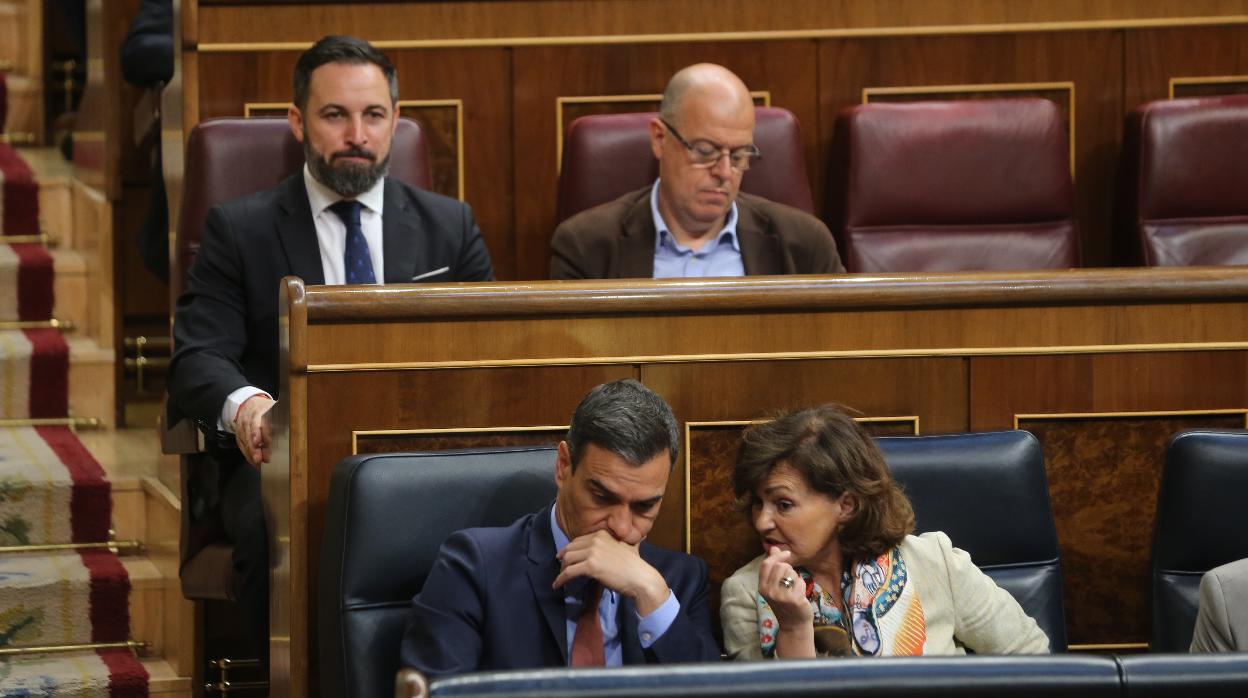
x: 587, y: 642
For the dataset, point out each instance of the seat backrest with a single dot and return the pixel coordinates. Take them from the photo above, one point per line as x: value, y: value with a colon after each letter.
x: 1182, y: 192
x: 1200, y: 525
x: 848, y: 677
x: 607, y: 156
x: 953, y: 186
x: 385, y: 519
x: 989, y: 493
x: 229, y: 158
x: 1183, y: 675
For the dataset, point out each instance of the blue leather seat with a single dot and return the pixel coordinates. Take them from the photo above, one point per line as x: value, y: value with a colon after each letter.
x: 386, y: 517
x: 908, y: 677
x: 1200, y: 525
x: 989, y: 493
x: 1183, y: 675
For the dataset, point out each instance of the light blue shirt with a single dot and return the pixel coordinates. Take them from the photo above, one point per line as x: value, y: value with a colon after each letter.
x: 719, y: 257
x: 649, y: 628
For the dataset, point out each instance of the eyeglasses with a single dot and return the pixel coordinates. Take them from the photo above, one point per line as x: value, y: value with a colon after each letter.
x: 704, y: 153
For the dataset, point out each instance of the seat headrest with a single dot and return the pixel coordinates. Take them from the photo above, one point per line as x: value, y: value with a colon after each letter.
x: 954, y: 162
x: 607, y: 156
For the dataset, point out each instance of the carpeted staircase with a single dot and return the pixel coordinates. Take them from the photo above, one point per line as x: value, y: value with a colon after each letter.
x: 52, y: 491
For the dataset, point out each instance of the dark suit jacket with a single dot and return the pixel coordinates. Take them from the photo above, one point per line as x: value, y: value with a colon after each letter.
x: 488, y: 604
x: 616, y: 240
x: 225, y: 328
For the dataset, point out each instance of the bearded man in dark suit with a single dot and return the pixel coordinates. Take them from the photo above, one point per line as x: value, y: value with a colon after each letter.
x: 339, y: 220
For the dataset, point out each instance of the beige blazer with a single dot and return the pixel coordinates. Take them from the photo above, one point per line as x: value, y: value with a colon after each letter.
x: 1222, y: 621
x: 962, y: 607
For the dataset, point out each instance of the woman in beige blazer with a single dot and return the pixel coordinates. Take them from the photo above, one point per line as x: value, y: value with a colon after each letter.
x: 840, y: 572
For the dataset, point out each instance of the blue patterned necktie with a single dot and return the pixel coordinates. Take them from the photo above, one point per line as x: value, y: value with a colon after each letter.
x: 358, y: 263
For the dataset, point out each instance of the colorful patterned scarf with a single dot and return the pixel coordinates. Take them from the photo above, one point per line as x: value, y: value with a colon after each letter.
x: 886, y: 616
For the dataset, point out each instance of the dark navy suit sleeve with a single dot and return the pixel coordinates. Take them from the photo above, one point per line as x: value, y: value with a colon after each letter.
x: 474, y: 260
x: 210, y: 325
x: 446, y: 622
x: 689, y: 638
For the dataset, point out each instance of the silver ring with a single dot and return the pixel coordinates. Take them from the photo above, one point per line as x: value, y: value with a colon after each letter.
x: 786, y: 582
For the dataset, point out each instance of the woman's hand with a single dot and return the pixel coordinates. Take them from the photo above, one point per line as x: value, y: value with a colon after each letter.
x: 787, y: 602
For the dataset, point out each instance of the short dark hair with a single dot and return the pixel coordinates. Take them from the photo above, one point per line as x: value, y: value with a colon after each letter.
x: 340, y: 49
x: 835, y: 455
x: 625, y: 418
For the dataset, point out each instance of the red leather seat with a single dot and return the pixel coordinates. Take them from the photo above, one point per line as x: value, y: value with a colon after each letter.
x: 607, y: 156
x: 1185, y: 182
x: 953, y: 186
x: 229, y: 158
x: 226, y: 159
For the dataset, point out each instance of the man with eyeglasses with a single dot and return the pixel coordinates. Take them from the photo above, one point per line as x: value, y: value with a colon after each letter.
x: 693, y: 221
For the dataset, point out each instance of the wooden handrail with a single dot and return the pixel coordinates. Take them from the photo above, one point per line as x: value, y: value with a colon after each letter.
x: 882, y: 291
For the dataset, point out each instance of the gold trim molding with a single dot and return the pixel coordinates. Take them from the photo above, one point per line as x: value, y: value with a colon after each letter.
x: 936, y: 90
x: 1205, y: 80
x: 357, y: 433
x: 689, y: 426
x: 764, y: 95
x: 458, y: 104
x: 776, y: 35
x: 1064, y: 416
x: 953, y: 352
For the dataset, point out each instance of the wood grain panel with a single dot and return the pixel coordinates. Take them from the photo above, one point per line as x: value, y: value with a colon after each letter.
x: 1103, y: 461
x: 278, y: 20
x: 479, y: 78
x: 1091, y: 60
x: 543, y: 74
x: 1153, y: 57
x: 1104, y: 475
x: 441, y: 440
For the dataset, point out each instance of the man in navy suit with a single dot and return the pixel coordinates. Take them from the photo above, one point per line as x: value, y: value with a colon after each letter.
x: 573, y: 584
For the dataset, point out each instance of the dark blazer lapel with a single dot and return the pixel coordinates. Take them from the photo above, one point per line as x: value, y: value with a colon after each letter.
x: 760, y: 246
x: 398, y: 236
x: 297, y: 231
x: 636, y: 253
x: 542, y: 572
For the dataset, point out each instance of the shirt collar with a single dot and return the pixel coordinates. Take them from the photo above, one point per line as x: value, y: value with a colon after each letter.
x: 664, y: 236
x: 322, y: 197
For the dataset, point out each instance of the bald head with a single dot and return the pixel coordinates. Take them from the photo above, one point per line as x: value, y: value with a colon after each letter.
x: 705, y: 86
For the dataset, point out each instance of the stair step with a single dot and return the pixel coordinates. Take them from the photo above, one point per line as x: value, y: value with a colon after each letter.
x: 165, y: 680
x: 85, y: 673
x: 10, y: 35
x: 25, y: 119
x: 54, y: 174
x: 69, y: 286
x: 92, y: 379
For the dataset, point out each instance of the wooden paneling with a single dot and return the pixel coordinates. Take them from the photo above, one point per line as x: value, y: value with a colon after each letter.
x: 280, y: 20
x: 1091, y: 60
x: 1104, y: 422
x: 550, y: 342
x: 510, y: 87
x: 544, y: 74
x: 1154, y: 57
x: 1104, y: 473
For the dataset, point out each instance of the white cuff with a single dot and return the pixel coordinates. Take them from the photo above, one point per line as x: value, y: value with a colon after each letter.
x: 233, y: 401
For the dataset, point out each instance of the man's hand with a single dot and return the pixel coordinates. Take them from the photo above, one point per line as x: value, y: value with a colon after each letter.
x: 252, y: 430
x: 617, y: 566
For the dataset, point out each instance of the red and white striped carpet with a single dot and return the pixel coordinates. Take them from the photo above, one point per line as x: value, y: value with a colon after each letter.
x: 52, y: 491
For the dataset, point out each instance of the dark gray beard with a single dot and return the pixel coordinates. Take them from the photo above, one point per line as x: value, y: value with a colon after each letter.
x: 347, y: 179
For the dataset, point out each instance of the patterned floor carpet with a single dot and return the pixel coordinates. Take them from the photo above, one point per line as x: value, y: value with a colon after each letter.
x: 51, y: 491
